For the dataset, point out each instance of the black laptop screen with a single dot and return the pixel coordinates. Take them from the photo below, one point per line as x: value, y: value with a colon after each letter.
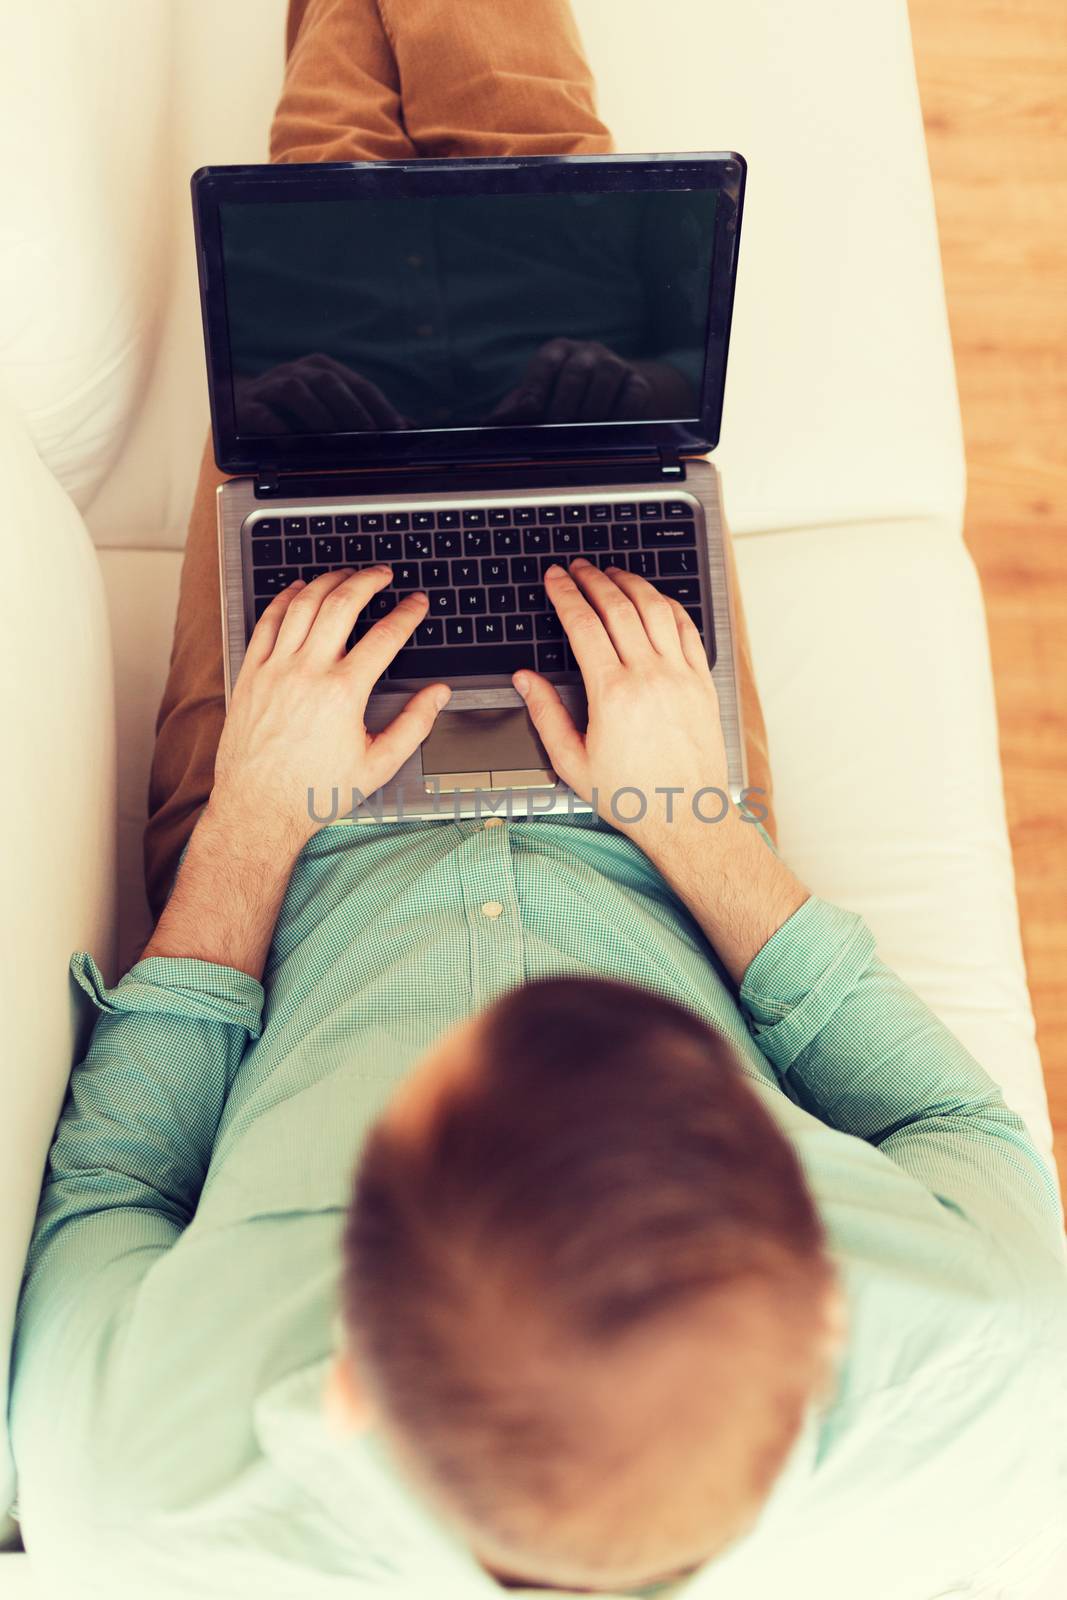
x: 445, y: 312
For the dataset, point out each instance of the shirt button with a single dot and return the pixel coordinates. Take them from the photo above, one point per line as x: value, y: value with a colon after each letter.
x: 414, y: 261
x: 494, y: 822
x: 424, y: 330
x: 492, y: 908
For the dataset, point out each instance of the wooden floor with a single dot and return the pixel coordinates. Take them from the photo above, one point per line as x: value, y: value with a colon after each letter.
x: 993, y: 82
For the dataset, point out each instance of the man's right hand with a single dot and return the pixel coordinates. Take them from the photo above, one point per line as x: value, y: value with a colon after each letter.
x: 654, y: 745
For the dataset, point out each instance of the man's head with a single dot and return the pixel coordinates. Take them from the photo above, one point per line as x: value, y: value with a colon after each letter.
x: 585, y: 1289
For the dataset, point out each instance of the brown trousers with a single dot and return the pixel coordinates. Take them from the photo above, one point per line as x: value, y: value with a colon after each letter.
x: 373, y: 80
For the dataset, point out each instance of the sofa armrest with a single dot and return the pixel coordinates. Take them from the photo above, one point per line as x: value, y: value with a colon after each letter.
x: 58, y: 799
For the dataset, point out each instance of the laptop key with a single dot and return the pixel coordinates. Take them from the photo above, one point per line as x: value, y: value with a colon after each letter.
x: 524, y: 569
x: 447, y: 544
x: 372, y: 522
x: 381, y: 604
x: 675, y: 563
x: 523, y: 516
x: 448, y: 519
x: 658, y: 536
x: 423, y: 521
x: 348, y: 524
x: 551, y: 658
x: 549, y: 514
x: 388, y: 547
x: 457, y: 661
x: 535, y: 541
x: 418, y: 546
x: 566, y: 541
x: 651, y: 511
x: 266, y: 552
x: 322, y: 524
x: 273, y: 580
x: 685, y: 590
x: 624, y: 536
x: 600, y: 513
x: 502, y: 599
x: 442, y: 602
x: 625, y: 511
x: 459, y: 630
x: 435, y: 574
x: 328, y: 550
x: 296, y: 525
x: 574, y: 513
x: 642, y: 562
x: 475, y: 518
x: 519, y: 627
x: 594, y: 537
x: 548, y: 626
x: 267, y: 528
x: 464, y: 573
x: 476, y: 544
x: 297, y: 551
x: 430, y: 632
x: 358, y: 547
x: 500, y: 517
x: 678, y: 508
x: 406, y: 575
x: 507, y: 542
x: 532, y: 598
x: 471, y: 601
x: 309, y: 574
x: 489, y: 630
x: 696, y: 616
x: 495, y: 570
x: 400, y: 522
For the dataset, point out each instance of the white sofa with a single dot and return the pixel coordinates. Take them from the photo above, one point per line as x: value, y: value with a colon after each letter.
x: 841, y: 456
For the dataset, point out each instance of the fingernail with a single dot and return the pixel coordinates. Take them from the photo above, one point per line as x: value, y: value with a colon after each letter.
x: 298, y: 583
x: 612, y: 569
x: 579, y: 561
x: 555, y: 567
x: 441, y: 698
x: 522, y: 683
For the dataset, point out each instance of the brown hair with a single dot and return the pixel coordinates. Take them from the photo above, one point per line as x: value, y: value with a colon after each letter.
x: 589, y: 1297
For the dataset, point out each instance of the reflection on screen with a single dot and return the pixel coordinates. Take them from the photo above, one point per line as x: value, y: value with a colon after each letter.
x: 467, y: 311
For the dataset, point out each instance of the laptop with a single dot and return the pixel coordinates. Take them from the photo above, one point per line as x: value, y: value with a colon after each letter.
x: 469, y: 369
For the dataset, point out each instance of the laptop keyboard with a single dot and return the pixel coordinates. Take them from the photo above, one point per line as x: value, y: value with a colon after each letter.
x: 482, y: 569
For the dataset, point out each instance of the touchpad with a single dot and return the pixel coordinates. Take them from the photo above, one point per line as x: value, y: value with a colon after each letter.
x: 496, y: 740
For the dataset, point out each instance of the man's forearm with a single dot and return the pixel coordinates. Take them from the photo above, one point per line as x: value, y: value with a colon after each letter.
x: 734, y: 885
x: 227, y: 895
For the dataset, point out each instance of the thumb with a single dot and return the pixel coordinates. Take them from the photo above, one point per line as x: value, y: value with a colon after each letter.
x: 554, y: 724
x: 392, y: 747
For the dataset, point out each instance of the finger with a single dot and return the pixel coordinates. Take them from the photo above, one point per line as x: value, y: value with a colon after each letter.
x: 392, y: 747
x: 555, y: 727
x: 300, y: 617
x: 616, y: 611
x: 653, y: 609
x: 689, y: 638
x: 265, y: 632
x: 593, y: 649
x: 538, y: 379
x: 379, y: 645
x: 328, y: 636
x: 383, y: 414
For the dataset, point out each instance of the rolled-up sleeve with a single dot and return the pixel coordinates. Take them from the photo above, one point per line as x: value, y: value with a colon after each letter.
x: 136, y: 1133
x: 859, y: 1049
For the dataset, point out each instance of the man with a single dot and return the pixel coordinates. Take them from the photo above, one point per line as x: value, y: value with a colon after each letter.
x: 686, y: 1249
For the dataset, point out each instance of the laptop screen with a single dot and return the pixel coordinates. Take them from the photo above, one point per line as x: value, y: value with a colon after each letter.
x: 467, y: 311
x: 382, y: 314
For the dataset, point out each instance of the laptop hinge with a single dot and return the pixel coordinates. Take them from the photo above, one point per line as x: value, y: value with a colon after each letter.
x: 670, y: 463
x: 267, y: 484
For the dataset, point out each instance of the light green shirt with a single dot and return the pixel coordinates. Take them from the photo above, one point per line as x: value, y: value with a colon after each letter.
x: 180, y: 1302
